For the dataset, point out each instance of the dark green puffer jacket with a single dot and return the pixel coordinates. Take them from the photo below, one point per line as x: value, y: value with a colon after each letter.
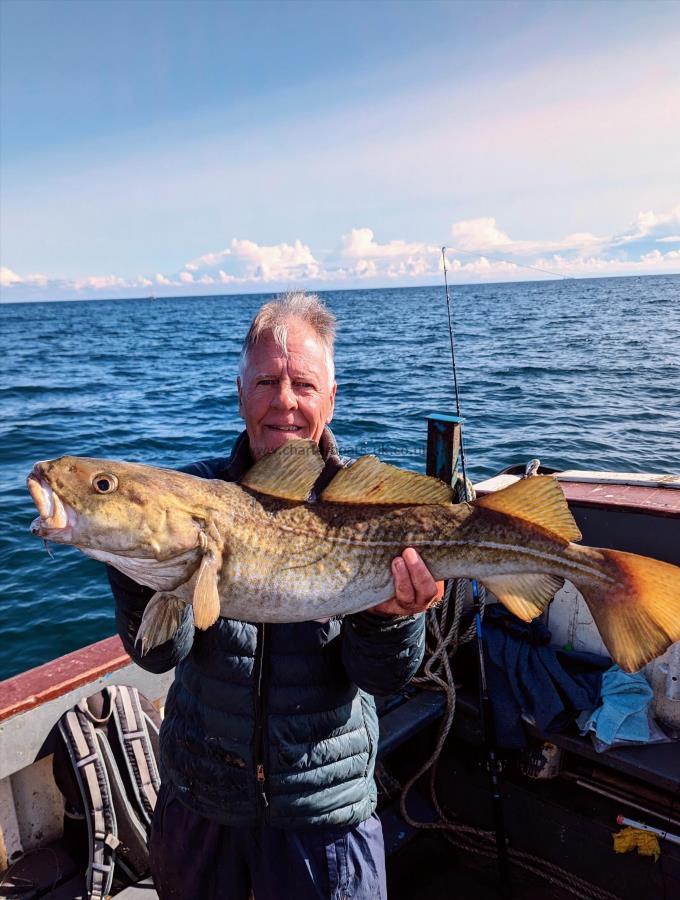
x: 274, y: 723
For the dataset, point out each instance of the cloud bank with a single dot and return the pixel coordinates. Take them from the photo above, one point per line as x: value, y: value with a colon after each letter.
x: 477, y: 250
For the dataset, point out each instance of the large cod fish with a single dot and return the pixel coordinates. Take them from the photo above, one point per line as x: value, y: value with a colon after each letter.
x: 259, y: 551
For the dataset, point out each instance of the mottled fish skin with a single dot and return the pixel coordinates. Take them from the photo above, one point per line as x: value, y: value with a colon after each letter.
x: 298, y: 563
x: 235, y: 552
x: 306, y: 562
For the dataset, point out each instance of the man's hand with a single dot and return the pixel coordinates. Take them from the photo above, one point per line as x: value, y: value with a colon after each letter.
x: 415, y: 590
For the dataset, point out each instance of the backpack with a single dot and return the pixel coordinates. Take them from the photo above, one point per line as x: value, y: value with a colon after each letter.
x: 105, y: 764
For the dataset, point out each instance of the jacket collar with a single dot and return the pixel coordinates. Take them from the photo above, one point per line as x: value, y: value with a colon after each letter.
x: 241, y: 458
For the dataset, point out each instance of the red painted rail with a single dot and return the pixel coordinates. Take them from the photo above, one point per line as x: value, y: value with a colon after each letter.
x: 57, y: 677
x: 631, y: 497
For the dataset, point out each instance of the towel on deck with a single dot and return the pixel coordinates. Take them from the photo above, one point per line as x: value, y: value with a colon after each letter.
x: 527, y: 679
x: 623, y: 714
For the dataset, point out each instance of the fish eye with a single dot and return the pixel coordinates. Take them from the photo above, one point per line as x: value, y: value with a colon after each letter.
x: 105, y: 483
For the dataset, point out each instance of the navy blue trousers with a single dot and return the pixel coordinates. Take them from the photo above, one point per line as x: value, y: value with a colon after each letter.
x: 193, y: 858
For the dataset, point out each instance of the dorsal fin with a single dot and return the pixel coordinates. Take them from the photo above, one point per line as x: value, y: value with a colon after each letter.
x: 369, y: 481
x: 526, y: 596
x: 288, y: 473
x: 538, y: 500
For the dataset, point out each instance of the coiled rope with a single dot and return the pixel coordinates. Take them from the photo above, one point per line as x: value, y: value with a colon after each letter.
x: 443, y: 641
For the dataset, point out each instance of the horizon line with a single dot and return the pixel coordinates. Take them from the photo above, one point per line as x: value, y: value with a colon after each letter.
x: 154, y: 297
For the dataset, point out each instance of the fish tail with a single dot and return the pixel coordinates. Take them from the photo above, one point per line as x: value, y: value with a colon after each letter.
x: 636, y: 606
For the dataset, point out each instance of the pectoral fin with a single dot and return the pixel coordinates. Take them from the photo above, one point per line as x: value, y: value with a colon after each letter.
x: 206, y: 600
x: 162, y: 617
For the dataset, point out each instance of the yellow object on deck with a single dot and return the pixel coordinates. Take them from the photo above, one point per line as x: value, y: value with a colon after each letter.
x: 645, y: 843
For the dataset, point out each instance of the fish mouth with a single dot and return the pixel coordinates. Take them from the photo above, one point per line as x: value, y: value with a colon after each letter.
x: 54, y: 515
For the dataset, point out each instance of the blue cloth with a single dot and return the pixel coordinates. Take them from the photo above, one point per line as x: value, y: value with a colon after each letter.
x: 194, y: 858
x: 528, y: 678
x: 622, y: 715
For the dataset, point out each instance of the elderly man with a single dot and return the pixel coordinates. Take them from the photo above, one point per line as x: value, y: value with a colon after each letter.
x: 270, y: 732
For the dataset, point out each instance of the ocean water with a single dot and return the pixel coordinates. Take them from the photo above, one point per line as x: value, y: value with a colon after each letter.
x: 580, y: 373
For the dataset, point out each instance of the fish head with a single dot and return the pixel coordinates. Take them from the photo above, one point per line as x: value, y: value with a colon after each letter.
x: 105, y: 507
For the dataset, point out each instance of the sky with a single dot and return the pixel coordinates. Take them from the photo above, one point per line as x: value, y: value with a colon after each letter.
x: 178, y: 148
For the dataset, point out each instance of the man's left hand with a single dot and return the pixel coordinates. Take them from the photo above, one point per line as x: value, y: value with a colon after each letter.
x: 415, y: 590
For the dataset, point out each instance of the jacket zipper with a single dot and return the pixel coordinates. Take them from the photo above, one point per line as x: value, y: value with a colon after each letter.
x: 260, y: 686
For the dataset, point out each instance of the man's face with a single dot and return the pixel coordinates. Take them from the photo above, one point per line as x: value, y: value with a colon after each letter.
x: 289, y: 396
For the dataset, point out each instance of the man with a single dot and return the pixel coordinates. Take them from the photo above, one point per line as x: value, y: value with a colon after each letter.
x: 270, y: 732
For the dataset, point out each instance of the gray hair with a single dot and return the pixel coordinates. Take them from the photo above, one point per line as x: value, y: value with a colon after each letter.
x: 275, y: 316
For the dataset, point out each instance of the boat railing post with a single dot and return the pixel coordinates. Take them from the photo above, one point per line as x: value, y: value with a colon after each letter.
x: 443, y: 446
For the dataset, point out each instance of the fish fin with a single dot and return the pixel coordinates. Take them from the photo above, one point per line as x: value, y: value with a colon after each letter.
x: 525, y: 595
x: 637, y: 609
x: 369, y: 481
x: 206, y: 599
x: 289, y: 472
x: 162, y: 617
x: 539, y: 500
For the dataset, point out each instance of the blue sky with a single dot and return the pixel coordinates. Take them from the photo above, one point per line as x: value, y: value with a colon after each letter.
x: 219, y: 147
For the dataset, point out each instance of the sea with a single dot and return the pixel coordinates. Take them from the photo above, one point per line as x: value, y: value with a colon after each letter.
x: 580, y: 373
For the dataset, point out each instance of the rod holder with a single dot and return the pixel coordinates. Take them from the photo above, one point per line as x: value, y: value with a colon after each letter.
x: 443, y: 446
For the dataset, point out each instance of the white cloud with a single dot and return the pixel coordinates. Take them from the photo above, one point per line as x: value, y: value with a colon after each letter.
x: 361, y: 244
x: 248, y: 261
x: 479, y: 234
x: 365, y: 268
x: 484, y: 251
x: 37, y: 279
x: 649, y: 224
x: 277, y: 262
x: 394, y: 259
x: 484, y: 235
x: 650, y: 263
x: 9, y: 278
x: 208, y: 260
x: 100, y: 282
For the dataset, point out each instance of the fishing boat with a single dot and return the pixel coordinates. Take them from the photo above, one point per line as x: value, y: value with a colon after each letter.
x: 554, y: 808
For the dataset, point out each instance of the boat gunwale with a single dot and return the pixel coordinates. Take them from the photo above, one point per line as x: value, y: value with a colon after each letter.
x: 635, y: 498
x: 56, y: 677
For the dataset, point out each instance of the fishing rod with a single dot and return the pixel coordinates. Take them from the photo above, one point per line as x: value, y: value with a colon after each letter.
x: 486, y: 712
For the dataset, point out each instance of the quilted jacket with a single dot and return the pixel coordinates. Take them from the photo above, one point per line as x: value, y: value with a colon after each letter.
x: 274, y: 723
